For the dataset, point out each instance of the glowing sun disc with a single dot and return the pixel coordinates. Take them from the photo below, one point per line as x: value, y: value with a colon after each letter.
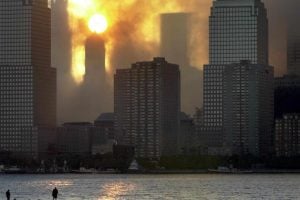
x: 98, y: 23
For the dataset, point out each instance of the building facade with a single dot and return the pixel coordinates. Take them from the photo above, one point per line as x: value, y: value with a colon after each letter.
x: 147, y: 106
x: 104, y: 135
x: 175, y: 48
x: 238, y: 30
x: 187, y: 138
x: 107, y: 122
x: 293, y: 50
x: 238, y: 56
x: 75, y: 138
x: 27, y: 80
x: 95, y: 84
x: 248, y: 108
x: 287, y: 135
x: 286, y: 95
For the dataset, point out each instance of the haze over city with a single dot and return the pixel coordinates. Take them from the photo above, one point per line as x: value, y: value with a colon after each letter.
x: 149, y: 99
x: 133, y: 33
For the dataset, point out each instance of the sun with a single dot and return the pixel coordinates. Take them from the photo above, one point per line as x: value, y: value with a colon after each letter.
x: 98, y: 23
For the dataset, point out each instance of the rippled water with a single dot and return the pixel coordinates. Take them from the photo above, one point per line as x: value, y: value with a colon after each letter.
x: 119, y: 187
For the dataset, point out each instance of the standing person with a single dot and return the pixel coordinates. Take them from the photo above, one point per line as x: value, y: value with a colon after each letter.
x: 54, y: 193
x: 8, y: 195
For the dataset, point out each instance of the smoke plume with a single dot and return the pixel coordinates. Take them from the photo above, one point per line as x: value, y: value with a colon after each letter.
x: 134, y: 35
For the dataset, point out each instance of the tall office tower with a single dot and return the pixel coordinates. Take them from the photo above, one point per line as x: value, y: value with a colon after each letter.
x: 27, y: 81
x: 147, y: 107
x: 238, y: 31
x: 293, y: 50
x: 95, y: 58
x: 175, y: 37
x: 94, y: 88
x: 248, y: 108
x: 174, y: 46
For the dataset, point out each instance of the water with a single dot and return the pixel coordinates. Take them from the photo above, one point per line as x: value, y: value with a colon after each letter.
x: 123, y: 187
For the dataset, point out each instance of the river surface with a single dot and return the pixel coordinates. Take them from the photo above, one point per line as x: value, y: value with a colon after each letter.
x: 123, y: 187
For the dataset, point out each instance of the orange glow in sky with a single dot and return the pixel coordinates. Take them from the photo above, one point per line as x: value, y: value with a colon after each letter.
x: 122, y: 23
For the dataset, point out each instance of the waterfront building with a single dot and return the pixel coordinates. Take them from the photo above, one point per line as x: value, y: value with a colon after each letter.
x: 106, y: 121
x: 238, y: 62
x: 147, y: 106
x: 27, y: 80
x: 248, y: 108
x: 75, y: 138
x: 187, y: 140
x: 104, y: 134
x: 287, y: 135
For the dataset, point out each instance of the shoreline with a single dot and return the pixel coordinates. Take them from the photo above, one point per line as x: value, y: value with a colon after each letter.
x: 168, y: 172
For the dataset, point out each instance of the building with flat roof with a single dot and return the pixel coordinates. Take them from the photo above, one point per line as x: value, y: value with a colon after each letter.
x: 27, y: 80
x: 147, y: 107
x: 238, y: 30
x: 235, y: 106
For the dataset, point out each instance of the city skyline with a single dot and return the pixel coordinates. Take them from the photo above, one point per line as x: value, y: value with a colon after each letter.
x: 159, y: 99
x: 238, y: 96
x: 278, y: 13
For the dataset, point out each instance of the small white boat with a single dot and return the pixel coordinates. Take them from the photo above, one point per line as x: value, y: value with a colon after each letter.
x: 83, y: 170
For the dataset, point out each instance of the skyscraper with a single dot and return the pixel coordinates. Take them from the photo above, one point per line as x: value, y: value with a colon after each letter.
x: 94, y: 88
x: 175, y: 38
x: 147, y: 107
x: 248, y: 108
x: 293, y: 50
x: 238, y: 55
x: 238, y: 30
x: 174, y: 46
x: 27, y: 80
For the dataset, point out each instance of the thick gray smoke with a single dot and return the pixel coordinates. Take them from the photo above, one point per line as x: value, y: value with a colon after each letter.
x: 70, y: 100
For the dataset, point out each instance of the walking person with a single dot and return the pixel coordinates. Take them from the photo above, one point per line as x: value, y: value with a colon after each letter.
x: 8, y: 195
x: 54, y: 193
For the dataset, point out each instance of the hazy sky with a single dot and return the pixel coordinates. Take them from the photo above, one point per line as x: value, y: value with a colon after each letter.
x: 130, y: 46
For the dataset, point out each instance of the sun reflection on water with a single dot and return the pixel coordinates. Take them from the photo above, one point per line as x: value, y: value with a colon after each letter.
x: 116, y: 190
x: 60, y: 183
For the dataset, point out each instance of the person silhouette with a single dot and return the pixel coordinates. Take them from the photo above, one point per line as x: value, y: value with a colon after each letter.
x: 8, y: 195
x: 54, y: 193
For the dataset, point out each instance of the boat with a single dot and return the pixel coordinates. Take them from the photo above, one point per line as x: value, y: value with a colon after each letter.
x: 226, y: 170
x: 83, y: 170
x: 14, y: 170
x: 220, y: 170
x: 134, y: 167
